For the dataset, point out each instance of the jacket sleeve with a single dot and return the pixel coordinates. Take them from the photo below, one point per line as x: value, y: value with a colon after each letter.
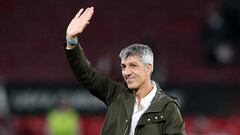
x: 174, y: 122
x: 100, y: 86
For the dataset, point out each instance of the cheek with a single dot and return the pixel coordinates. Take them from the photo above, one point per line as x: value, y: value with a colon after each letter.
x: 141, y: 74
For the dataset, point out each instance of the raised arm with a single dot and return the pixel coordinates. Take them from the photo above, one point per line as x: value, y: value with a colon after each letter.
x: 78, y: 24
x: 100, y: 86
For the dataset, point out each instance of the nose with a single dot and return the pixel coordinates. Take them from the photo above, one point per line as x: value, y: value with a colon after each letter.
x: 126, y: 72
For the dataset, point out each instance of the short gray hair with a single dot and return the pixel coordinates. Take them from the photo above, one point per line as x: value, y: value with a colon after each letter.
x: 145, y: 53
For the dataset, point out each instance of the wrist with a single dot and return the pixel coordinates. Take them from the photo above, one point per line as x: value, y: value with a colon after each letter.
x: 71, y: 40
x: 68, y: 36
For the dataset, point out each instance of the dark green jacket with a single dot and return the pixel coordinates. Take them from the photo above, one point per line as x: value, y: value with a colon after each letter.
x: 161, y: 118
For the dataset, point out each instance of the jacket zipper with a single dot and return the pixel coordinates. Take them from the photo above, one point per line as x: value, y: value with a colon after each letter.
x: 125, y: 132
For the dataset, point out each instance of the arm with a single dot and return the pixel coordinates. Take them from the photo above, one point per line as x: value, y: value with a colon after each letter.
x: 98, y: 85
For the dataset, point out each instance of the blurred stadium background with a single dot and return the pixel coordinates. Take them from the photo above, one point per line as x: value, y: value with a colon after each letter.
x: 196, y: 46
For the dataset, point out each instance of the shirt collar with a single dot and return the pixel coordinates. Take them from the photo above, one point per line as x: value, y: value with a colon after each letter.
x: 145, y: 101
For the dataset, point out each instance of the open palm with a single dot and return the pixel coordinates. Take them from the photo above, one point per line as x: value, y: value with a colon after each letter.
x: 79, y: 22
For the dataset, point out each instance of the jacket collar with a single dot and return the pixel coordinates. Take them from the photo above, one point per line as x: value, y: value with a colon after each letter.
x: 129, y: 103
x: 157, y: 104
x: 160, y: 101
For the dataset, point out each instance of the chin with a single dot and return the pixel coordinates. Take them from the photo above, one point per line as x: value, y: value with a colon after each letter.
x: 131, y: 86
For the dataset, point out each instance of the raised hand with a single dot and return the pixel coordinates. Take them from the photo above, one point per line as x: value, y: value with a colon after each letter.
x: 79, y: 22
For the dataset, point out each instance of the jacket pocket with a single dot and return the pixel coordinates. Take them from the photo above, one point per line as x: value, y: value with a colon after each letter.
x: 150, y: 124
x: 151, y: 118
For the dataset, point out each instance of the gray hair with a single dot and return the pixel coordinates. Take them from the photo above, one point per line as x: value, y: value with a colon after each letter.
x: 145, y: 53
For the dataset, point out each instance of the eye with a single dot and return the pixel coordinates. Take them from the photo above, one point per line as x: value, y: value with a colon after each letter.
x: 133, y: 65
x: 123, y: 67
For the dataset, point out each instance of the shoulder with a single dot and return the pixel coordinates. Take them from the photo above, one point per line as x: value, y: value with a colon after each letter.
x: 165, y: 99
x: 171, y: 106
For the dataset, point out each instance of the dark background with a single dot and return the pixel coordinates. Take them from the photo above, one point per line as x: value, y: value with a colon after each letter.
x: 195, y: 60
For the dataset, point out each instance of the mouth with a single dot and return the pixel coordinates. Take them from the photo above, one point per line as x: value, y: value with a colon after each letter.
x: 130, y: 79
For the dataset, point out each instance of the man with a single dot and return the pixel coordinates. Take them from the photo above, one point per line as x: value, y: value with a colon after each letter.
x: 63, y: 120
x: 138, y: 108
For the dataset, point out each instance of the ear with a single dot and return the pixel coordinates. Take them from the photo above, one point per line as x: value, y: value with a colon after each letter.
x: 149, y: 69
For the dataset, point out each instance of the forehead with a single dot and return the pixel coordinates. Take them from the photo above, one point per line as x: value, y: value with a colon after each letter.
x: 131, y: 59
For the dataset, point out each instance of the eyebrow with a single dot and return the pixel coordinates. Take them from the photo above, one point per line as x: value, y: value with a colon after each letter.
x: 129, y: 63
x: 132, y: 63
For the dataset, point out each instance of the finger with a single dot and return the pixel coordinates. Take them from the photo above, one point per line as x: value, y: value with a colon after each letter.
x: 88, y: 14
x: 86, y: 11
x: 79, y: 13
x: 90, y: 10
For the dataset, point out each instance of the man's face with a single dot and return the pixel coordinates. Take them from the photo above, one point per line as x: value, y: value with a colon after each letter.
x: 134, y: 72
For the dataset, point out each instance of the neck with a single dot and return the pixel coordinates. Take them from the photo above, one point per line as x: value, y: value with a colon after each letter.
x: 144, y: 89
